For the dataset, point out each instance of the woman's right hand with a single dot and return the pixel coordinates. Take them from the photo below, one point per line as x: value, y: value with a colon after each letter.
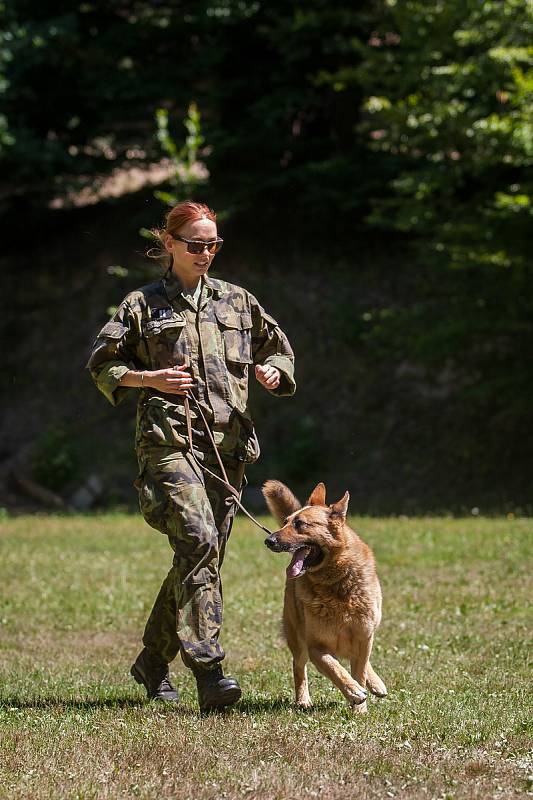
x: 175, y: 380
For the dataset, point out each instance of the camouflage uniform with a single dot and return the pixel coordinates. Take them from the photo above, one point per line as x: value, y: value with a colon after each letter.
x: 157, y: 327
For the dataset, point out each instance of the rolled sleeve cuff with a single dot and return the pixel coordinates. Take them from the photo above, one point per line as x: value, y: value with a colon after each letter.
x: 108, y: 381
x: 287, y: 384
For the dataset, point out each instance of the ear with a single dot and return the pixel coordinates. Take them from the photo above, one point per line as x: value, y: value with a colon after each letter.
x: 317, y: 496
x: 342, y: 506
x: 168, y: 242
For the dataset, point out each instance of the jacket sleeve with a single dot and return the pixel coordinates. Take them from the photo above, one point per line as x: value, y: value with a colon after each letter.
x: 114, y: 353
x: 271, y: 347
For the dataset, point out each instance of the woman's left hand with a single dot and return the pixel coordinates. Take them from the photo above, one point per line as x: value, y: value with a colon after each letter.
x: 269, y: 377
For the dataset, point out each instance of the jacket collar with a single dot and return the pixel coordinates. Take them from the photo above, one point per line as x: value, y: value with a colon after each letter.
x: 173, y: 286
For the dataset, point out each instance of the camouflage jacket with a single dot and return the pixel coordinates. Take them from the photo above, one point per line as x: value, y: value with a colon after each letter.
x: 157, y: 327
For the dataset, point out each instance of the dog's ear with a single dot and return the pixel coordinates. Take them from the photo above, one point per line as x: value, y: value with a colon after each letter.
x: 341, y: 507
x: 317, y: 496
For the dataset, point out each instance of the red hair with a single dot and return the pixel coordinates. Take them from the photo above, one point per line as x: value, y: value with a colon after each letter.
x: 186, y: 212
x: 175, y: 220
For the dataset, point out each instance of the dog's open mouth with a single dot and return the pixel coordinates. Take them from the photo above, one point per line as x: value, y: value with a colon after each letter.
x: 302, y: 559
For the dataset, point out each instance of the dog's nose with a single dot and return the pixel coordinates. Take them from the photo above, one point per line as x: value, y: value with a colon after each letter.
x: 271, y: 542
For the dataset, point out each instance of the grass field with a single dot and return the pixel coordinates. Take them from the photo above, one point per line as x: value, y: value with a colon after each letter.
x: 453, y: 649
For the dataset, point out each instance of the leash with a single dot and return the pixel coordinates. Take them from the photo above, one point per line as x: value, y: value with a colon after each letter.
x: 236, y: 494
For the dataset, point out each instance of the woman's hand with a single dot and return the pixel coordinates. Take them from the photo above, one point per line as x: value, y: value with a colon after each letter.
x: 174, y: 380
x: 269, y: 377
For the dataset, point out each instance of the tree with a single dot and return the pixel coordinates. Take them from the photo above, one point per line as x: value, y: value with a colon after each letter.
x: 449, y: 104
x: 83, y: 82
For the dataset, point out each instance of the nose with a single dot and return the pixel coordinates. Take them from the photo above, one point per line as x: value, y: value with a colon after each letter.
x: 271, y: 542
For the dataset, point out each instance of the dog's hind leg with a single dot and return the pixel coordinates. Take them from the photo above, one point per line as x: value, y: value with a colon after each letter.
x: 362, y: 670
x: 374, y: 682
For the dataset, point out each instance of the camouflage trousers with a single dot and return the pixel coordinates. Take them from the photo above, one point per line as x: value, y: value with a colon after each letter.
x: 180, y: 500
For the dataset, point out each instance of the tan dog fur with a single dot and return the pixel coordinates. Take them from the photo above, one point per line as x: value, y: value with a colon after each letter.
x: 332, y: 609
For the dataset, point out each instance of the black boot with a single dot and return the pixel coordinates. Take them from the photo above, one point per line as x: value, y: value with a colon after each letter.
x: 153, y: 674
x: 214, y: 690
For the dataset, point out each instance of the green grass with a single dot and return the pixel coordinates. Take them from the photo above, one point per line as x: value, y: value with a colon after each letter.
x: 453, y: 650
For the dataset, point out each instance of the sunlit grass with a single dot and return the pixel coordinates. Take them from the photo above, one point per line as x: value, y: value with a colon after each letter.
x: 453, y: 649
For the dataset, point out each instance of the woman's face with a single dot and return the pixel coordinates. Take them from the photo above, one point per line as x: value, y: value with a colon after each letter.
x: 189, y: 267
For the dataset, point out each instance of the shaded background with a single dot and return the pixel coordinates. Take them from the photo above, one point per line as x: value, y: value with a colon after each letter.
x: 369, y: 166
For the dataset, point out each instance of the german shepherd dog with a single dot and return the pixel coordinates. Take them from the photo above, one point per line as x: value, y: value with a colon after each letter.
x: 332, y: 593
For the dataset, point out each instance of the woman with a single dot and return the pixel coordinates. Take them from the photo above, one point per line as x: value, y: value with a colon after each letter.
x: 190, y: 334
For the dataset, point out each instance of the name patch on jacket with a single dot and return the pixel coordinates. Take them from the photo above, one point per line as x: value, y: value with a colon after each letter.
x: 162, y: 313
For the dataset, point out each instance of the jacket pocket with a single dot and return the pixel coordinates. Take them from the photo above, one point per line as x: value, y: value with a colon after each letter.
x: 153, y: 501
x: 166, y: 341
x: 236, y: 329
x: 162, y: 422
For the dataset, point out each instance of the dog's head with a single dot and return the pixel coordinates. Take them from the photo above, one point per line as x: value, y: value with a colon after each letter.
x: 311, y: 533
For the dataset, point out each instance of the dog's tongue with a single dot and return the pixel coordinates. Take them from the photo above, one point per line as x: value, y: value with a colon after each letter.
x: 297, y: 562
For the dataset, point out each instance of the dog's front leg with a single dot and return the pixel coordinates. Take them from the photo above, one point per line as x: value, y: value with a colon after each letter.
x: 330, y: 667
x: 360, y: 663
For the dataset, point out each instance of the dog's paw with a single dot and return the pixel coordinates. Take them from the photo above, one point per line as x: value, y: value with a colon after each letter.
x: 306, y: 704
x: 374, y: 683
x: 357, y: 695
x: 360, y: 709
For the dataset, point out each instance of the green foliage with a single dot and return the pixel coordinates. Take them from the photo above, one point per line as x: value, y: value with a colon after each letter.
x: 54, y: 462
x: 306, y: 451
x: 450, y: 98
x: 409, y: 121
x: 189, y: 172
x: 80, y: 83
x: 330, y: 102
x: 82, y: 87
x: 449, y: 105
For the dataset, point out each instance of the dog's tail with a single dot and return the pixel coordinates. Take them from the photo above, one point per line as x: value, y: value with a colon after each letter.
x: 280, y: 500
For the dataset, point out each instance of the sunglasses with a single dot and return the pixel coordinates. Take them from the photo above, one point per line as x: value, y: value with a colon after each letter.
x: 196, y: 246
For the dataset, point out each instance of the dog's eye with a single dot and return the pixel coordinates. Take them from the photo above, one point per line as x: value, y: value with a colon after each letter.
x: 298, y: 523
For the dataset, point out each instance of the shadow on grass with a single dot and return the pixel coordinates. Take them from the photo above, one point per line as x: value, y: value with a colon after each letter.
x: 63, y: 702
x: 258, y: 704
x: 252, y: 705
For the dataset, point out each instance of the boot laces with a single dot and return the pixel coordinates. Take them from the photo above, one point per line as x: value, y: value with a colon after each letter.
x: 165, y: 684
